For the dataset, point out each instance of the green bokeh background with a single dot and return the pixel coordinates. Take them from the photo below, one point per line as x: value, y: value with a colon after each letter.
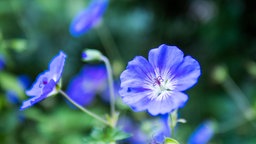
x: 219, y: 34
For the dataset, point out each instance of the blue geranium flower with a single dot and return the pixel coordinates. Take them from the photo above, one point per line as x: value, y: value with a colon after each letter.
x: 203, y: 133
x: 2, y: 62
x: 87, y: 83
x: 46, y: 82
x: 88, y: 18
x: 165, y: 129
x: 157, y: 85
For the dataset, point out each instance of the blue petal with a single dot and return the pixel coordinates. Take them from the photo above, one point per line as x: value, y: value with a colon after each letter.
x: 165, y: 59
x: 87, y: 83
x: 36, y: 89
x: 136, y: 83
x: 170, y: 102
x: 165, y: 130
x: 90, y: 16
x: 56, y: 66
x: 81, y: 91
x: 2, y: 62
x: 45, y: 92
x: 138, y: 73
x: 203, y: 133
x: 187, y: 74
x: 28, y: 103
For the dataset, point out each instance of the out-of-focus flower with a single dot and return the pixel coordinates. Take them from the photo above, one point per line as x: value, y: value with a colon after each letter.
x: 203, y: 133
x: 165, y: 129
x: 131, y: 127
x: 12, y: 97
x: 2, y: 62
x: 88, y: 18
x: 46, y: 82
x: 87, y: 83
x: 157, y: 85
x: 105, y: 94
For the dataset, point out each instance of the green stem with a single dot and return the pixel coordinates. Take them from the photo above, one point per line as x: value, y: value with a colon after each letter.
x: 173, y: 121
x: 239, y: 98
x: 84, y: 110
x: 107, y: 41
x: 111, y: 85
x: 233, y: 123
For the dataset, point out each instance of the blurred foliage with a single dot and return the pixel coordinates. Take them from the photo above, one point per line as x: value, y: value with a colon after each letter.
x: 216, y: 33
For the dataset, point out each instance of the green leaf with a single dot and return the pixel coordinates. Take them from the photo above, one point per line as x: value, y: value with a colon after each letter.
x: 10, y: 82
x: 106, y: 135
x: 170, y: 141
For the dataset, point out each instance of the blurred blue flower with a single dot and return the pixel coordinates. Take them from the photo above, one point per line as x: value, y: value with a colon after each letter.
x: 2, y: 62
x: 46, y: 82
x: 130, y: 126
x: 157, y: 85
x: 105, y: 94
x: 165, y: 129
x: 88, y: 18
x: 87, y: 83
x: 12, y: 97
x: 203, y: 133
x: 25, y: 81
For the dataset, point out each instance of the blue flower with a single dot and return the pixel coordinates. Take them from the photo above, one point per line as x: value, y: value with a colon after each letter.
x: 88, y: 18
x: 87, y: 83
x: 157, y: 85
x: 165, y: 129
x: 2, y: 62
x: 46, y: 82
x: 203, y: 133
x: 105, y: 94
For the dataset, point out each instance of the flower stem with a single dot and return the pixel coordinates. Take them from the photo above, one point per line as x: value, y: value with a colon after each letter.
x: 84, y: 109
x: 108, y: 41
x: 111, y: 85
x: 173, y: 124
x: 240, y: 99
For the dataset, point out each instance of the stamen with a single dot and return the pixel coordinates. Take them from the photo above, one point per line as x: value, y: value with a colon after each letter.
x: 158, y: 81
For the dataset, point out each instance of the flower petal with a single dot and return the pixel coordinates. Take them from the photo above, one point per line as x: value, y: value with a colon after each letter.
x: 172, y: 101
x: 36, y: 89
x: 81, y: 91
x: 187, y: 74
x: 86, y: 19
x: 56, y: 66
x: 138, y: 70
x: 28, y: 103
x: 165, y: 59
x: 49, y: 88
